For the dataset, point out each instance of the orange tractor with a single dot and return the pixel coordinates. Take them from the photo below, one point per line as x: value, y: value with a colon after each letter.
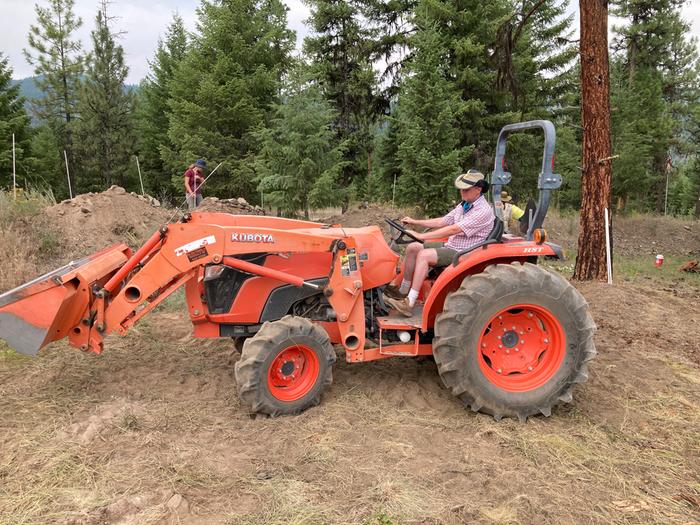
x: 509, y: 338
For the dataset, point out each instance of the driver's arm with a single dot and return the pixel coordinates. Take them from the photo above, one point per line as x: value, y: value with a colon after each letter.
x: 440, y: 233
x: 425, y: 223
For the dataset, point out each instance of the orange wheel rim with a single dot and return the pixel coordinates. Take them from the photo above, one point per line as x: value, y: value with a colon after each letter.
x: 293, y: 373
x: 521, y: 348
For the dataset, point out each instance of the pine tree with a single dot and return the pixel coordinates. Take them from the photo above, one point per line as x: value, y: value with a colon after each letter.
x: 468, y: 29
x: 428, y: 135
x: 508, y: 63
x: 342, y: 51
x: 300, y: 163
x: 106, y: 111
x: 641, y: 131
x: 154, y: 109
x: 656, y: 89
x: 388, y: 167
x: 536, y: 81
x: 58, y: 62
x: 13, y: 119
x: 224, y: 88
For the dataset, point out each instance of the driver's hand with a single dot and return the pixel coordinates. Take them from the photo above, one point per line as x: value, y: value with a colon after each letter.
x: 408, y: 220
x: 416, y: 234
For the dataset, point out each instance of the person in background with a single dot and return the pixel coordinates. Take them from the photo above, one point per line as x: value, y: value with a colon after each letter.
x: 194, y: 178
x: 469, y: 223
x: 511, y: 213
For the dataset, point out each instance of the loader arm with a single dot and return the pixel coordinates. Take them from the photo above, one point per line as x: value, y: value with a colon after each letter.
x: 114, y: 290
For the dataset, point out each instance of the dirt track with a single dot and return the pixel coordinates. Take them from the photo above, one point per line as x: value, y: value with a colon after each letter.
x: 152, y: 431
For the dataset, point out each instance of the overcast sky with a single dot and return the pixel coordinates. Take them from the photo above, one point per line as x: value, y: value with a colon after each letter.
x: 144, y: 21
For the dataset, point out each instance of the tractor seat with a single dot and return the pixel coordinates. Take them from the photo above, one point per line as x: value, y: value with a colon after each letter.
x: 495, y: 236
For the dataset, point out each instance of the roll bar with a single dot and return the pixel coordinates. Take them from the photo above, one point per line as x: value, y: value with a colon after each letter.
x: 548, y: 180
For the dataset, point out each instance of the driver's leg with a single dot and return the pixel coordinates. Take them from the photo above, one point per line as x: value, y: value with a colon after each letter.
x: 425, y: 259
x: 401, y: 291
x: 409, y: 262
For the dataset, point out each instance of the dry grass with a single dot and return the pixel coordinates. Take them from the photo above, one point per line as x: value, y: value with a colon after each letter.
x: 27, y: 245
x: 169, y: 423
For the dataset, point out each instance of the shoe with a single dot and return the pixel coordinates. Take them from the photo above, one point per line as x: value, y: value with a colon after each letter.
x: 394, y: 292
x: 401, y: 305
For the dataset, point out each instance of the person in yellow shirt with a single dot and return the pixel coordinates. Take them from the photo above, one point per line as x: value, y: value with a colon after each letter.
x: 511, y: 213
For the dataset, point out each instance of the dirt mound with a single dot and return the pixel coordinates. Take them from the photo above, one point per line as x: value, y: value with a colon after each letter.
x: 237, y: 206
x: 633, y: 236
x: 92, y: 221
x: 370, y: 215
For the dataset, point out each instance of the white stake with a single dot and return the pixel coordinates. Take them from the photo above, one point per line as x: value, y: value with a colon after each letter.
x: 666, y: 196
x: 14, y: 173
x: 70, y: 190
x: 607, y: 247
x: 138, y: 167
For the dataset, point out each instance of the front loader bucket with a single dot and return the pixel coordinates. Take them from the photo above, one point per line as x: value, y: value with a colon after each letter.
x: 47, y: 308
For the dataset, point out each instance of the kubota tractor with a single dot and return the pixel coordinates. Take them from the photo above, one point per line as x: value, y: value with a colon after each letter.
x: 509, y: 338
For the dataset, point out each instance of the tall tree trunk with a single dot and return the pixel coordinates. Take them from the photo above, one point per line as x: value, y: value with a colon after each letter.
x: 68, y: 137
x: 697, y: 206
x: 596, y: 177
x: 660, y: 168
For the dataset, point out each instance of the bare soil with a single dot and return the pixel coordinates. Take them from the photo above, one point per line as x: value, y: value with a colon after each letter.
x: 237, y: 206
x: 153, y: 431
x: 634, y: 236
x: 95, y: 220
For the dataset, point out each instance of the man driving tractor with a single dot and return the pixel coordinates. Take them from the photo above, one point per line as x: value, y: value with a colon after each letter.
x: 469, y: 223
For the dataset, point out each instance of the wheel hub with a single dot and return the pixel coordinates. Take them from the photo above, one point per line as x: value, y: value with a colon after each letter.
x: 293, y: 373
x: 521, y: 347
x: 510, y: 339
x: 287, y: 368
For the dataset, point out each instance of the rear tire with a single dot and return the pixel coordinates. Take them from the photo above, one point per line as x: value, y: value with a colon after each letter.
x: 513, y: 341
x: 285, y: 366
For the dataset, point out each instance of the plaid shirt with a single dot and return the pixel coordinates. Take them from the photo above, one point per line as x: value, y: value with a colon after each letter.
x: 476, y: 223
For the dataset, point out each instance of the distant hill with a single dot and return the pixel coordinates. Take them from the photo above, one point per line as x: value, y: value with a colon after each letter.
x: 29, y: 90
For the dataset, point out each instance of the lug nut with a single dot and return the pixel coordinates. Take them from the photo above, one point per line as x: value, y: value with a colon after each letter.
x: 546, y: 341
x: 530, y: 314
x: 499, y: 371
x: 483, y: 345
x: 500, y: 346
x: 507, y: 351
x: 522, y: 341
x: 517, y: 349
x: 529, y: 368
x: 498, y: 337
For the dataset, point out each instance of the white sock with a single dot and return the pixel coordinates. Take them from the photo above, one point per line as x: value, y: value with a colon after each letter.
x: 405, y: 286
x: 412, y: 296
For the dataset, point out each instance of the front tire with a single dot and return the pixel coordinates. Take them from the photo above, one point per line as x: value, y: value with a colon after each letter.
x: 285, y: 366
x: 514, y: 340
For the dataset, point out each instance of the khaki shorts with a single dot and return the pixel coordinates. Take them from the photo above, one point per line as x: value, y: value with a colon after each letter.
x: 445, y: 255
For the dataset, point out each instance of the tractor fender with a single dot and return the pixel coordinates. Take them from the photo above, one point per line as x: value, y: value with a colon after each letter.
x: 474, y: 262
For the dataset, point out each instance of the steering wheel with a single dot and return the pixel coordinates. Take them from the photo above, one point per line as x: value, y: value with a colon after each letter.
x: 402, y: 232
